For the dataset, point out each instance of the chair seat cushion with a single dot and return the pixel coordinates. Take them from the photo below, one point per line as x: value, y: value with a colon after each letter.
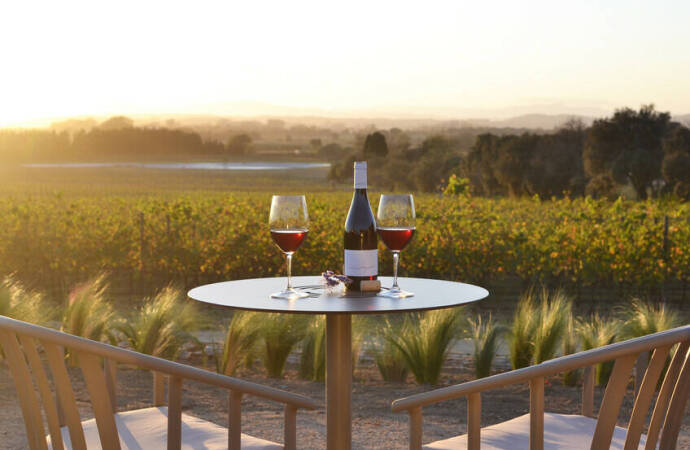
x: 561, y: 431
x: 147, y: 428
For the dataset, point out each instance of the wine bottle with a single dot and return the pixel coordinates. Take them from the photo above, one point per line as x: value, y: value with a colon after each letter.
x: 361, y: 241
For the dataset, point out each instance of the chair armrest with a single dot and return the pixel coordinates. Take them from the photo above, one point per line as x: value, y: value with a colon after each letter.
x: 156, y: 364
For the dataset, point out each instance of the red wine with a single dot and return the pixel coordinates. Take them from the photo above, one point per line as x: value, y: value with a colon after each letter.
x: 289, y: 240
x: 360, y: 239
x: 396, y: 238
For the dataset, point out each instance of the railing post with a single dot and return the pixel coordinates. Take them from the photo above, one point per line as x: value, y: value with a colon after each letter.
x: 158, y: 389
x: 110, y: 369
x: 474, y: 421
x: 588, y: 392
x: 415, y: 428
x: 640, y: 368
x: 290, y: 436
x: 174, y: 413
x: 536, y: 413
x: 235, y: 420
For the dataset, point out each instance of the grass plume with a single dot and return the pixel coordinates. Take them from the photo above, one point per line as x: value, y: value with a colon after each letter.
x: 241, y: 341
x: 21, y: 304
x: 388, y: 357
x: 571, y: 377
x: 424, y: 342
x: 280, y: 334
x: 539, y: 325
x: 485, y: 336
x: 313, y: 359
x: 643, y: 318
x: 598, y: 331
x: 163, y: 324
x: 88, y: 313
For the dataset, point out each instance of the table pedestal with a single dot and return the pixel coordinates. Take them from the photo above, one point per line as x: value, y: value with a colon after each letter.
x: 339, y: 381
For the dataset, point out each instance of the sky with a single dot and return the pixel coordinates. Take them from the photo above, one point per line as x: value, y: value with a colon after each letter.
x: 456, y: 59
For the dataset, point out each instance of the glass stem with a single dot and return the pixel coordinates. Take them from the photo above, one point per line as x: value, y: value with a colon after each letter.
x: 288, y: 256
x: 396, y: 257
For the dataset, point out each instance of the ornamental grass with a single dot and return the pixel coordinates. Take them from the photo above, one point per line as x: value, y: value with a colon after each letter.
x: 485, y: 336
x: 425, y: 340
x: 19, y: 303
x: 388, y: 357
x: 163, y: 325
x: 241, y: 341
x: 539, y: 325
x: 280, y: 333
x: 597, y: 331
x: 88, y: 312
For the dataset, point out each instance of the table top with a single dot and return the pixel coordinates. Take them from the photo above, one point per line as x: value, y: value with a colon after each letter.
x: 254, y: 295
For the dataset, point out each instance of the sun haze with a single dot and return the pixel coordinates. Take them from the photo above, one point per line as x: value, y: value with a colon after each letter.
x: 430, y: 59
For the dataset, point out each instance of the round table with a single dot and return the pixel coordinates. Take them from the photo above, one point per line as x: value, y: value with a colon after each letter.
x: 254, y: 295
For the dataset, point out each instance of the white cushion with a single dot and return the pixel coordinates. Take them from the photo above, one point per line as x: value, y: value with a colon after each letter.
x: 561, y: 431
x: 147, y: 429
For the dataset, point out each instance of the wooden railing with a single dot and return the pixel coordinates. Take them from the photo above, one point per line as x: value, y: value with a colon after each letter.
x: 98, y: 363
x: 666, y: 416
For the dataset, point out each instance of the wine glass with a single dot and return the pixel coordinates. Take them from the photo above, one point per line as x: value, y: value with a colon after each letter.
x: 395, y: 222
x: 289, y: 223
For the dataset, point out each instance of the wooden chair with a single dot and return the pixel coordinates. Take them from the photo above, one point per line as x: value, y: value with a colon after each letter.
x: 147, y: 428
x: 539, y: 430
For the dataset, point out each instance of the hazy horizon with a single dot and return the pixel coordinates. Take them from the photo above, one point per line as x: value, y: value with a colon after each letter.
x: 459, y: 60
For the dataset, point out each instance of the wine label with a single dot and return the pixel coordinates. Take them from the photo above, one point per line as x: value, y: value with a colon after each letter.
x: 362, y: 263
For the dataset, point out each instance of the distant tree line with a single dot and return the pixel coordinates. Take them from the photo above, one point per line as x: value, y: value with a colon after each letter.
x: 641, y: 150
x: 114, y: 138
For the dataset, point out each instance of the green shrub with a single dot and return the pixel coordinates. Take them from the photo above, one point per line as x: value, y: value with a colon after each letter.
x: 424, y: 342
x: 18, y: 303
x: 485, y: 335
x: 539, y: 325
x: 163, y: 325
x: 388, y: 357
x: 240, y: 344
x: 88, y: 313
x: 280, y: 333
x: 597, y: 332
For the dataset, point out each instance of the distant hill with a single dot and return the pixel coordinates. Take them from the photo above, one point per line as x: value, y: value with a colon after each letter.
x: 531, y: 121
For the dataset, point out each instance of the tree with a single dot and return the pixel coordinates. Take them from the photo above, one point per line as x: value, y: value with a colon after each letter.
x: 513, y: 162
x: 375, y: 145
x: 398, y: 140
x: 627, y: 147
x: 117, y: 123
x: 331, y: 152
x: 555, y: 166
x: 676, y: 164
x: 239, y: 144
x: 479, y: 166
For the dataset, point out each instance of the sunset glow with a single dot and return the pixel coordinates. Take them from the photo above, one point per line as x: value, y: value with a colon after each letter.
x: 431, y: 59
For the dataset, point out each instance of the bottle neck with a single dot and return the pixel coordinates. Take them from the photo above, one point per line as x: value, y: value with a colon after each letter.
x: 361, y: 178
x: 361, y: 192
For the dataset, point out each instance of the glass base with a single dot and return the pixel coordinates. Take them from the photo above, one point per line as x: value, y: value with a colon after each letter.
x: 289, y: 294
x: 396, y: 293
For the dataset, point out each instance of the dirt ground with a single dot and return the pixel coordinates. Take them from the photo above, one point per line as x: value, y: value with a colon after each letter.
x: 374, y: 425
